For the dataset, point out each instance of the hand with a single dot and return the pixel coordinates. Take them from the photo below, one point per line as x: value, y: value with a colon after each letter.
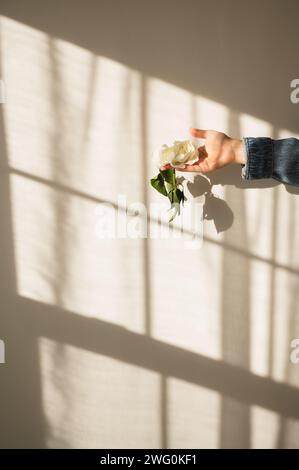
x: 219, y: 150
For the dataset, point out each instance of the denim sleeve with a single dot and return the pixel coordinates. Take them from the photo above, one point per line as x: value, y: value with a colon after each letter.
x: 268, y: 158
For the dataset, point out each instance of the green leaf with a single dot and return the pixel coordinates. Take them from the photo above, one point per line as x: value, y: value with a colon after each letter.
x: 169, y: 176
x: 165, y: 182
x: 158, y: 184
x: 172, y: 196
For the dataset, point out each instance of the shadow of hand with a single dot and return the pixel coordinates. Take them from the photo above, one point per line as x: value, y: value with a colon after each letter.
x: 217, y: 209
x: 214, y: 208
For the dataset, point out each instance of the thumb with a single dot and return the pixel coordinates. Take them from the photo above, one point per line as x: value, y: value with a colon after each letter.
x: 200, y: 133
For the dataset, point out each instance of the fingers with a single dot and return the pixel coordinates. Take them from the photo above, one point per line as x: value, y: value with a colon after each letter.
x: 196, y: 167
x: 200, y: 133
x: 165, y: 167
x: 191, y: 168
x: 202, y: 166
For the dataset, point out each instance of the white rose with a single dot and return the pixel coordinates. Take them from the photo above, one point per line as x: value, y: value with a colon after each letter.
x: 177, y: 155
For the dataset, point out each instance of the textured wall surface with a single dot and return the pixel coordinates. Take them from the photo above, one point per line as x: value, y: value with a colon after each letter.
x: 146, y: 342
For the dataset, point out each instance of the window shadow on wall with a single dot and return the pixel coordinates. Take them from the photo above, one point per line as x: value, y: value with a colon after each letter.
x: 24, y: 321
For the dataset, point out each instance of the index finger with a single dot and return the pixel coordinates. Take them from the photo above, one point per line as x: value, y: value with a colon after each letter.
x: 199, y: 133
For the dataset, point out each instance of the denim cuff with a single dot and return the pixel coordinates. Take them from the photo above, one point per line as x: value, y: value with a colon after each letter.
x: 259, y: 158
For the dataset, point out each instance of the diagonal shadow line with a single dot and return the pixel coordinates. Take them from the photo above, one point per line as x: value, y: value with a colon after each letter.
x: 119, y: 343
x: 96, y: 199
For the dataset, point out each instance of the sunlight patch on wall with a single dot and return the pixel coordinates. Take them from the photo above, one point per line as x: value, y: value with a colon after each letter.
x: 265, y: 428
x: 60, y: 261
x: 253, y: 127
x: 193, y: 422
x: 210, y: 115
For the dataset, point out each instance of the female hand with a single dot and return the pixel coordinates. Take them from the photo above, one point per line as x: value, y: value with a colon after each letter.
x: 219, y: 150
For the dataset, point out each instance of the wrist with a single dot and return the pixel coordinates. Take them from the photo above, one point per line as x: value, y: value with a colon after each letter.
x: 239, y: 151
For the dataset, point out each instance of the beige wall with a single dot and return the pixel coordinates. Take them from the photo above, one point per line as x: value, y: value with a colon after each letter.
x: 144, y: 343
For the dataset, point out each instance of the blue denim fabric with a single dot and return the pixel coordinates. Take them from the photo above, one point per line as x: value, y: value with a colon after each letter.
x: 268, y: 158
